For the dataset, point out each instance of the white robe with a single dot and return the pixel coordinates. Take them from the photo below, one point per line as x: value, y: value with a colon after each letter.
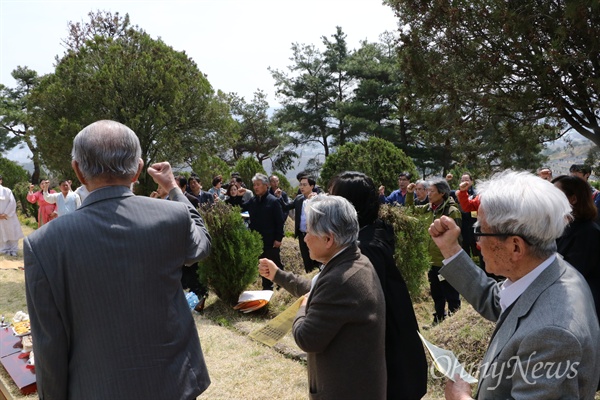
x: 10, y: 229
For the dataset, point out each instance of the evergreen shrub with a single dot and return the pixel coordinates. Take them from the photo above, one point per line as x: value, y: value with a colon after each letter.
x: 378, y: 158
x: 233, y: 261
x: 411, y: 254
x: 248, y: 167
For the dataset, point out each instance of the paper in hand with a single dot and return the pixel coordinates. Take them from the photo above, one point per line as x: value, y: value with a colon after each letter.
x: 278, y: 327
x: 446, y: 362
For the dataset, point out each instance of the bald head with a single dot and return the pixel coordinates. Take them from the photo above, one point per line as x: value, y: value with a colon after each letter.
x: 108, y: 151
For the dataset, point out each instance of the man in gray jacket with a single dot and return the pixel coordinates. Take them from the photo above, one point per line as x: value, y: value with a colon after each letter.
x: 109, y: 318
x: 546, y: 344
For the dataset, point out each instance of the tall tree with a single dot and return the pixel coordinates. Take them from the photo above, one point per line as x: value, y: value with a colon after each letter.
x: 532, y: 59
x: 15, y: 115
x: 258, y: 135
x: 313, y: 92
x: 158, y: 92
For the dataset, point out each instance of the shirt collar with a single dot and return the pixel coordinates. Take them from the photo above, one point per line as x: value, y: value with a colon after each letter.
x: 510, y: 291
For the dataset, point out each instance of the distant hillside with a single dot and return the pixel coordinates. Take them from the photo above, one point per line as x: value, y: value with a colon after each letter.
x: 567, y: 151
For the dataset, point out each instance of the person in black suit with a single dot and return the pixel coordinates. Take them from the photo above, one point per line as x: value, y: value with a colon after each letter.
x: 196, y: 189
x: 306, y: 188
x: 182, y: 183
x: 404, y: 353
x: 266, y: 218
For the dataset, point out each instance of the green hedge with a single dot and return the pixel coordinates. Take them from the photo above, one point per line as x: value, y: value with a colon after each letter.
x: 233, y: 262
x: 411, y: 255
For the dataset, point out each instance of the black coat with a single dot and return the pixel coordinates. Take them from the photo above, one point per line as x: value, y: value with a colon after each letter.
x: 579, y: 246
x: 405, y: 356
x: 266, y: 218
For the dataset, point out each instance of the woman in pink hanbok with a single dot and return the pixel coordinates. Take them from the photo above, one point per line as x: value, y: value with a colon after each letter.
x: 46, y: 211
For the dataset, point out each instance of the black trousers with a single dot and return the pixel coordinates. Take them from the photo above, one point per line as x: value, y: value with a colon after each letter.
x: 273, y: 254
x: 442, y: 292
x: 189, y: 280
x: 309, y: 264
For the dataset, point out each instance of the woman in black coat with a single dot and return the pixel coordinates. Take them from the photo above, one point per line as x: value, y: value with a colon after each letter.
x: 580, y: 242
x: 405, y: 356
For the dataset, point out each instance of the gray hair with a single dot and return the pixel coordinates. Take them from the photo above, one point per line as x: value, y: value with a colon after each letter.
x: 326, y: 214
x: 108, y: 149
x: 441, y: 186
x: 525, y: 205
x: 260, y: 178
x: 423, y: 182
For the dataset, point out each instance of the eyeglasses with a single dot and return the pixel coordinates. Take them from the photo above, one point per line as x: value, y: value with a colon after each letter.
x: 478, y: 234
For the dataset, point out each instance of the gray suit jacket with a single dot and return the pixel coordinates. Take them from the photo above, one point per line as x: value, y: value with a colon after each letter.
x: 547, y: 345
x: 108, y: 315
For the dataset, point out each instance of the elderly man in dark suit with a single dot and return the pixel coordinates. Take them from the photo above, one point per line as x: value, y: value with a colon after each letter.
x: 547, y: 340
x: 266, y: 218
x: 108, y: 315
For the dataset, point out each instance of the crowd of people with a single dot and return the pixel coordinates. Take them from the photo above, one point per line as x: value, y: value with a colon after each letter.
x: 538, y: 277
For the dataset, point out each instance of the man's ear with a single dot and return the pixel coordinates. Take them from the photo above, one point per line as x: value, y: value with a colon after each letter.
x: 80, y: 176
x: 330, y: 242
x: 518, y: 248
x: 139, y: 171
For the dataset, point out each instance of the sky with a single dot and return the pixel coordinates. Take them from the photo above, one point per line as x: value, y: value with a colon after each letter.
x: 233, y: 42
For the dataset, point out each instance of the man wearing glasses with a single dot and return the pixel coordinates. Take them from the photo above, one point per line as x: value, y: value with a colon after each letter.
x: 397, y: 196
x: 547, y: 337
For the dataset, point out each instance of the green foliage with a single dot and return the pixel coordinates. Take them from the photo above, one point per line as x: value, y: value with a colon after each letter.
x: 257, y: 133
x: 412, y: 255
x: 313, y: 92
x: 20, y: 191
x: 378, y: 158
x: 248, y: 167
x: 16, y: 119
x: 232, y: 264
x: 12, y: 173
x: 526, y: 62
x: 208, y: 167
x: 593, y: 160
x: 131, y: 78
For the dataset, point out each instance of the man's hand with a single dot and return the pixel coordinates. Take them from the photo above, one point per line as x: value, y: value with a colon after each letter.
x: 464, y: 186
x: 278, y: 192
x: 276, y: 244
x: 445, y: 233
x: 3, y: 216
x: 449, y: 177
x: 459, y: 390
x: 411, y: 188
x: 267, y: 268
x: 381, y: 190
x: 163, y: 175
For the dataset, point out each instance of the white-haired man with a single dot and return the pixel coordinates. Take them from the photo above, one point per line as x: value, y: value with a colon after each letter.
x: 266, y: 218
x: 108, y: 314
x: 547, y: 340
